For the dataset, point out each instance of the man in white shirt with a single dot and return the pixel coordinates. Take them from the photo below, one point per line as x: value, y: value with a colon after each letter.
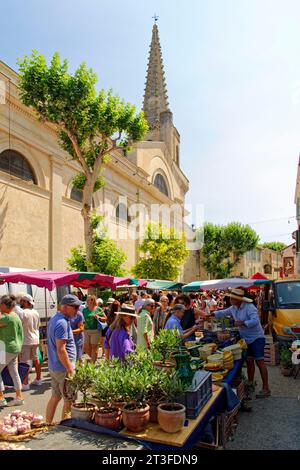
x: 139, y: 303
x: 31, y: 323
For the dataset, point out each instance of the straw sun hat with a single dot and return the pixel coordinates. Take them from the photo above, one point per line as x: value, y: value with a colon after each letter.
x: 127, y: 310
x: 239, y: 294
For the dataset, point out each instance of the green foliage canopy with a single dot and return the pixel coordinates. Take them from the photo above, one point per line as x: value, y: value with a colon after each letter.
x: 164, y: 253
x: 107, y: 257
x: 224, y: 246
x: 90, y: 124
x: 276, y: 246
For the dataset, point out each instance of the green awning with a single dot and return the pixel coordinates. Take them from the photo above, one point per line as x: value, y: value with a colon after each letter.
x: 164, y: 285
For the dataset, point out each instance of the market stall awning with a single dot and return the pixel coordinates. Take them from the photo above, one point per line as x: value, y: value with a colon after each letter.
x: 260, y: 279
x: 218, y: 284
x: 259, y: 276
x: 164, y: 285
x: 53, y: 279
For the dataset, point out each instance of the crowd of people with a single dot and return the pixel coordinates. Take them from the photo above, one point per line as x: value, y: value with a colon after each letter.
x: 123, y: 325
x: 19, y: 342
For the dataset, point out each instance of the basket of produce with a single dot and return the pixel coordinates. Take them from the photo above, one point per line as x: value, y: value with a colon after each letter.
x: 19, y: 425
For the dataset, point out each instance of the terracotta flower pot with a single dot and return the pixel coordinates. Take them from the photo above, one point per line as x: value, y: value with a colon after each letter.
x: 167, y: 365
x: 286, y: 371
x: 99, y: 403
x: 84, y: 411
x: 108, y: 418
x: 118, y: 404
x: 171, y: 416
x: 136, y: 420
x: 153, y: 410
x: 223, y: 336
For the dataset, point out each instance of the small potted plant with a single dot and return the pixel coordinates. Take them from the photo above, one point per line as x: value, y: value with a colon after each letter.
x: 104, y: 389
x: 171, y: 415
x: 136, y: 412
x: 249, y: 388
x: 165, y: 342
x: 223, y: 334
x: 82, y: 381
x: 286, y: 364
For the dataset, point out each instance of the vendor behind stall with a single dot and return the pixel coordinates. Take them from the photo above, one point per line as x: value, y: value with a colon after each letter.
x: 174, y: 322
x: 247, y: 320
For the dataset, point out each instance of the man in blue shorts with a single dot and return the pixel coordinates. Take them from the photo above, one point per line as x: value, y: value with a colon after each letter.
x: 247, y: 320
x: 61, y: 354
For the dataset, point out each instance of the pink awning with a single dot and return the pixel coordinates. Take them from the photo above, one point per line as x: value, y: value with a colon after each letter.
x: 53, y: 279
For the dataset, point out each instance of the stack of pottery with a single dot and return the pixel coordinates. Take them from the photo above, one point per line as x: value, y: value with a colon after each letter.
x: 236, y: 351
x: 216, y: 359
x: 205, y: 351
x: 228, y: 360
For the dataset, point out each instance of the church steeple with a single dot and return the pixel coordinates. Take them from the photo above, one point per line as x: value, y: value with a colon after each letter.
x: 155, y: 97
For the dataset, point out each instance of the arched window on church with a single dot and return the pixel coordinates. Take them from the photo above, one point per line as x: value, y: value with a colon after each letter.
x: 76, y: 194
x: 15, y: 164
x: 122, y: 212
x: 160, y: 183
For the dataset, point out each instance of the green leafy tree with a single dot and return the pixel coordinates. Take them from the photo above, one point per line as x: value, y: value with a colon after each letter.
x: 90, y: 124
x: 107, y: 257
x: 164, y: 253
x: 276, y: 246
x: 225, y: 245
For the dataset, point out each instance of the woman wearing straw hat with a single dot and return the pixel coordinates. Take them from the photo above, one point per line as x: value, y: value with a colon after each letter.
x: 247, y: 320
x: 118, y: 341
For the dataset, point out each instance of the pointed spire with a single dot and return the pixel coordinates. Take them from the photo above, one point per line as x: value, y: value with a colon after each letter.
x: 155, y: 97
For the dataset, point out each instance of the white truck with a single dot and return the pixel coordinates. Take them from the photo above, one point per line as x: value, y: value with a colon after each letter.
x: 45, y: 302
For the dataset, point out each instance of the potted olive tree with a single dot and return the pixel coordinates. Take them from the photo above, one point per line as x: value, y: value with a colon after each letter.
x: 104, y: 391
x: 136, y: 412
x: 171, y: 415
x: 286, y: 364
x: 163, y: 345
x: 223, y: 334
x: 249, y: 388
x: 82, y: 382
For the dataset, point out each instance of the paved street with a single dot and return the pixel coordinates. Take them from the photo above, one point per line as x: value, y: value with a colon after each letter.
x: 35, y: 399
x: 273, y: 423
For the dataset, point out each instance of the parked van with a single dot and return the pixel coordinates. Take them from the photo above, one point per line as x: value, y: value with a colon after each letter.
x: 284, y: 309
x: 45, y: 301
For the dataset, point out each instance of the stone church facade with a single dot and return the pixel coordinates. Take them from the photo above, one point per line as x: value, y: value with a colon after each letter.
x: 40, y: 218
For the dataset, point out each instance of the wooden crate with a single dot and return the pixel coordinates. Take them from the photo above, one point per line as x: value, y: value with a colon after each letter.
x: 228, y: 422
x: 269, y: 339
x: 213, y: 446
x: 271, y: 354
x: 238, y: 384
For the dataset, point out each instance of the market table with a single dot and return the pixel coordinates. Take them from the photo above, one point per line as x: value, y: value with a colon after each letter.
x: 157, y: 439
x: 234, y: 372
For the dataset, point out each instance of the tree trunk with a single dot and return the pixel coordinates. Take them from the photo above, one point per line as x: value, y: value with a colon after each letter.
x: 86, y: 213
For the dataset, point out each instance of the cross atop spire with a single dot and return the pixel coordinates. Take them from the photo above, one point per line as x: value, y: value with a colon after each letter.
x: 155, y: 97
x: 155, y: 17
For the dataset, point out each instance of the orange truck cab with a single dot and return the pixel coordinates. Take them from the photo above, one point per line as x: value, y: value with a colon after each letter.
x: 284, y: 310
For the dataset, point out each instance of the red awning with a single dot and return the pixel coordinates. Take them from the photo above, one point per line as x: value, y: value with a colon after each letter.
x: 53, y: 279
x: 259, y: 276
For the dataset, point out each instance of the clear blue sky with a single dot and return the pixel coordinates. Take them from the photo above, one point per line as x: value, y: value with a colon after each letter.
x: 233, y: 76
